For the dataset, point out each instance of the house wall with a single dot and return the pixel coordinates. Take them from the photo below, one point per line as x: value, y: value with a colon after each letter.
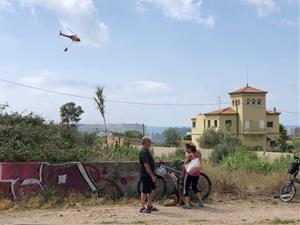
x: 257, y: 134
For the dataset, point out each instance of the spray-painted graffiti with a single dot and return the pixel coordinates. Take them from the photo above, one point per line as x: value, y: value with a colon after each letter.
x: 17, y: 179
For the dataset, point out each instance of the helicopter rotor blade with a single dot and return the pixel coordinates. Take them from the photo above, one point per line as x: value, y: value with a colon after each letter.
x: 70, y: 30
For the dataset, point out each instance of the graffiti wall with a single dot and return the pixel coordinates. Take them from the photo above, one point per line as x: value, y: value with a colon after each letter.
x: 19, y: 179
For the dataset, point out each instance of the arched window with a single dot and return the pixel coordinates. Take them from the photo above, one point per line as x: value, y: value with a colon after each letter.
x: 259, y: 102
x: 239, y: 102
x: 232, y: 102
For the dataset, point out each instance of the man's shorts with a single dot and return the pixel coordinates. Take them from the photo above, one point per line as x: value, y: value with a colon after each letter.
x: 147, y: 185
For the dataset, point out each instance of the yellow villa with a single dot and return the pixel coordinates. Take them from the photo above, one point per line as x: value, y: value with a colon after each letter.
x: 247, y: 117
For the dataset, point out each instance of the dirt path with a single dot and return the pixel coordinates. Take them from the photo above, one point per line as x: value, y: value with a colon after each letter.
x: 229, y: 212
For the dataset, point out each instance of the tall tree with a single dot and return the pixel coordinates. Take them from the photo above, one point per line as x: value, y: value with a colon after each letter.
x: 172, y: 137
x: 70, y: 113
x: 100, y: 102
x: 283, y: 137
x: 133, y: 134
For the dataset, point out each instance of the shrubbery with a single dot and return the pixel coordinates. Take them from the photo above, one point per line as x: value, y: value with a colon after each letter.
x: 30, y: 138
x: 223, y: 141
x: 245, y: 160
x: 178, y: 155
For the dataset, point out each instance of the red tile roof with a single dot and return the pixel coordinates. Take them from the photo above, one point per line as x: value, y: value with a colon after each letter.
x: 225, y: 111
x: 248, y: 89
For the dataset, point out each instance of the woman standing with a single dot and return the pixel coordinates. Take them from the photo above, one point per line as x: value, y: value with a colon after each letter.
x: 193, y: 178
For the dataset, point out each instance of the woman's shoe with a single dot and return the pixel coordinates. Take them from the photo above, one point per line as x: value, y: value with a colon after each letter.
x: 187, y: 206
x: 201, y: 205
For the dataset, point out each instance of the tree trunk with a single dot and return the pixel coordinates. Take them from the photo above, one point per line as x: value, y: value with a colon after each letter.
x: 106, y: 133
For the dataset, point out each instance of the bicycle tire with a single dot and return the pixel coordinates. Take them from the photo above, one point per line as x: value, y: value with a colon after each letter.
x: 284, y: 197
x: 204, y: 186
x: 161, y: 188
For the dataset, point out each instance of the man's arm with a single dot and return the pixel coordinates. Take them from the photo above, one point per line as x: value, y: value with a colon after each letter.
x: 149, y: 171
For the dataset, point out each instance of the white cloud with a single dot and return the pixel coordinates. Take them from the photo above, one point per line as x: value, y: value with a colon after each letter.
x: 5, y: 5
x: 146, y: 86
x: 289, y: 23
x: 79, y: 15
x: 51, y: 81
x: 291, y: 2
x: 181, y: 10
x: 263, y: 7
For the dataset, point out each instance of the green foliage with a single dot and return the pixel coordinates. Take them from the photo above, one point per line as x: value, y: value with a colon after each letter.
x: 172, y: 137
x: 178, y: 155
x: 210, y: 138
x: 223, y: 141
x: 296, y: 144
x: 187, y: 137
x: 70, y: 113
x: 100, y: 102
x: 30, y: 138
x: 243, y: 159
x: 133, y: 134
x: 282, y: 139
x: 119, y: 153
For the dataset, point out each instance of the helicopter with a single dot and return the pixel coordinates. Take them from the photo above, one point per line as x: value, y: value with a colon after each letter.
x: 74, y: 37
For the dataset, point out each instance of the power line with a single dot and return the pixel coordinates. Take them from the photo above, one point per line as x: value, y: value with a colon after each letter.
x: 129, y: 102
x: 109, y: 100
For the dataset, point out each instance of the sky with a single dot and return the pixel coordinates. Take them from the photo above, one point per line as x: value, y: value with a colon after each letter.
x: 151, y: 51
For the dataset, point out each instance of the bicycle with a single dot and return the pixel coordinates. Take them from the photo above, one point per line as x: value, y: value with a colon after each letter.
x: 287, y: 191
x: 165, y: 173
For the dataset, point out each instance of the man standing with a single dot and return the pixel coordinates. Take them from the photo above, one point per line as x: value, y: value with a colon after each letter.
x: 147, y: 168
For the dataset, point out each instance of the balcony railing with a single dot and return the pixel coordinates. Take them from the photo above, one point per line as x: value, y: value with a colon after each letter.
x: 255, y: 130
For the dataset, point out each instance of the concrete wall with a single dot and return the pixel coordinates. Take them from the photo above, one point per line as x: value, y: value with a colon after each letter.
x: 111, y: 178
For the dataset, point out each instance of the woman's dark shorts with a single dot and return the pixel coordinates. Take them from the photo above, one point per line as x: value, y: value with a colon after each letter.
x: 148, y: 185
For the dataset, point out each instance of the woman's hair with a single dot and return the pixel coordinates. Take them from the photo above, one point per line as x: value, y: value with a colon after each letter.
x: 191, y: 146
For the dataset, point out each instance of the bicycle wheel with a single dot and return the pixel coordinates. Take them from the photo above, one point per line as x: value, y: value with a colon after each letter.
x: 204, y: 186
x: 287, y: 192
x: 161, y: 188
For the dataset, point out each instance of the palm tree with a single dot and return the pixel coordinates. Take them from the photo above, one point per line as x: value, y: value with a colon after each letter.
x: 100, y: 102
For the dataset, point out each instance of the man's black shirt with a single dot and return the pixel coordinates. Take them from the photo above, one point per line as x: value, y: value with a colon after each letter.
x: 146, y: 157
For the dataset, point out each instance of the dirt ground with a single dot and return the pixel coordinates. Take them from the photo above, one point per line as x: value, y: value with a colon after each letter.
x: 217, y: 212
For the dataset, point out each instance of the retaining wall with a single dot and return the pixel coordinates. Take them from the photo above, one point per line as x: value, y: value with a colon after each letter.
x: 19, y: 179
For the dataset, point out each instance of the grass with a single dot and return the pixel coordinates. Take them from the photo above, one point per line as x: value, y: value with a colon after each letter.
x: 241, y: 183
x: 52, y: 199
x: 248, y: 161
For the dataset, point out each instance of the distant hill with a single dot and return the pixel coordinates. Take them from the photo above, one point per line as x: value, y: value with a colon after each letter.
x: 112, y: 128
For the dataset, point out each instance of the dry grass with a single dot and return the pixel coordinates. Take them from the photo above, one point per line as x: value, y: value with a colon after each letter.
x: 237, y: 185
x: 243, y: 184
x: 55, y: 200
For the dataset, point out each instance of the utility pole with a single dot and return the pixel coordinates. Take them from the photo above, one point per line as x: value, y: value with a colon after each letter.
x: 143, y: 129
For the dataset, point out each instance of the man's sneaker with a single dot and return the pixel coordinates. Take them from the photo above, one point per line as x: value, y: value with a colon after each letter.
x: 145, y: 210
x: 152, y: 208
x: 186, y: 206
x: 201, y: 205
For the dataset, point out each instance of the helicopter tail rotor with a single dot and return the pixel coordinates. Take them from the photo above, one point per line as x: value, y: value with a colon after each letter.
x: 60, y: 33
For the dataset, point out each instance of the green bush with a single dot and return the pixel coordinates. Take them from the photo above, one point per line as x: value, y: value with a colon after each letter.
x: 30, y: 138
x: 223, y: 141
x: 243, y: 159
x: 178, y: 155
x: 119, y: 153
x: 210, y: 138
